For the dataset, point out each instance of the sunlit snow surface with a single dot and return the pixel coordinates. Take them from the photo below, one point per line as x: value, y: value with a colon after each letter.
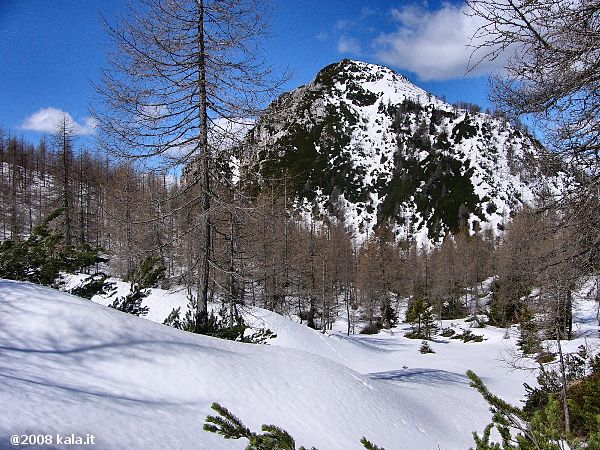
x: 69, y: 365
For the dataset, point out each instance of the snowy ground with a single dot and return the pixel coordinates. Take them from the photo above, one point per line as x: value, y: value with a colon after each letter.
x: 69, y: 365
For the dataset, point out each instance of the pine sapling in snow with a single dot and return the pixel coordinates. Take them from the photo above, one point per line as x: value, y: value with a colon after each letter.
x: 529, y: 341
x: 188, y: 323
x: 217, y: 327
x: 369, y: 445
x: 150, y: 272
x: 93, y: 285
x: 174, y: 319
x: 422, y: 319
x: 425, y: 348
x: 132, y: 302
x: 230, y: 427
x: 273, y: 437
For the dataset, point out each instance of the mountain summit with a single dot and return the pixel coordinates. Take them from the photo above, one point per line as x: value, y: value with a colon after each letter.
x: 365, y: 145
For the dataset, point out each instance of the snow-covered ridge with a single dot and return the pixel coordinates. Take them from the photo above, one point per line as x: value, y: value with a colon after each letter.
x: 390, y: 86
x: 363, y: 139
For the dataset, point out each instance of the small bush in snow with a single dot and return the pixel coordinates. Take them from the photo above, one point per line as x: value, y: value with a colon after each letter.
x: 370, y: 328
x: 468, y: 336
x: 216, y: 327
x: 425, y: 348
x: 447, y: 332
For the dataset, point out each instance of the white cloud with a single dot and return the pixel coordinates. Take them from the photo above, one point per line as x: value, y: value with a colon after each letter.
x: 47, y: 120
x: 434, y: 44
x: 224, y: 133
x: 348, y: 45
x: 322, y: 36
x: 367, y: 12
x: 153, y: 112
x: 343, y: 24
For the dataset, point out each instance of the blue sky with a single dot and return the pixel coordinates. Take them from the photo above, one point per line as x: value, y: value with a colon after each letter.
x: 51, y: 51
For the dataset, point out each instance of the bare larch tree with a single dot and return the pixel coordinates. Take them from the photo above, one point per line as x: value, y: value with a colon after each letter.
x: 181, y: 69
x: 63, y: 142
x: 552, y: 74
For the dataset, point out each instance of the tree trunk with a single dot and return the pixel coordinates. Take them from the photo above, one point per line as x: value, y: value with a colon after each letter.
x: 66, y: 177
x: 569, y: 312
x: 82, y: 204
x: 232, y: 290
x: 347, y: 301
x: 323, y: 298
x: 14, y: 226
x: 204, y: 182
x: 563, y: 381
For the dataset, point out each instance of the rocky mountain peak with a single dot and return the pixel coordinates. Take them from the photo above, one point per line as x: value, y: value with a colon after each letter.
x: 364, y: 144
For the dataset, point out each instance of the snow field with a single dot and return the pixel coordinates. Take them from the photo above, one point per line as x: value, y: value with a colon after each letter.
x: 69, y: 365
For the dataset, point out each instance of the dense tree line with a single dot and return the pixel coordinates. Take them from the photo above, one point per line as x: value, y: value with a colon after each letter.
x: 264, y: 253
x: 226, y: 241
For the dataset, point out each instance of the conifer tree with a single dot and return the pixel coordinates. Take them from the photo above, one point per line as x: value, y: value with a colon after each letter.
x: 529, y: 340
x: 43, y: 255
x: 149, y: 273
x: 420, y: 315
x: 544, y: 428
x: 369, y: 445
x: 230, y: 427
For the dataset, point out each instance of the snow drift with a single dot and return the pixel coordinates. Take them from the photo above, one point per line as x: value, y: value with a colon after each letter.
x: 72, y: 366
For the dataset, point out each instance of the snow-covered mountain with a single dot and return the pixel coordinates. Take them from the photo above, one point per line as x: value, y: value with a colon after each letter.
x: 362, y: 143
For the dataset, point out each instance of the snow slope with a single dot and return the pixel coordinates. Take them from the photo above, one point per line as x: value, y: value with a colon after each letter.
x: 389, y: 356
x: 69, y: 365
x: 72, y: 366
